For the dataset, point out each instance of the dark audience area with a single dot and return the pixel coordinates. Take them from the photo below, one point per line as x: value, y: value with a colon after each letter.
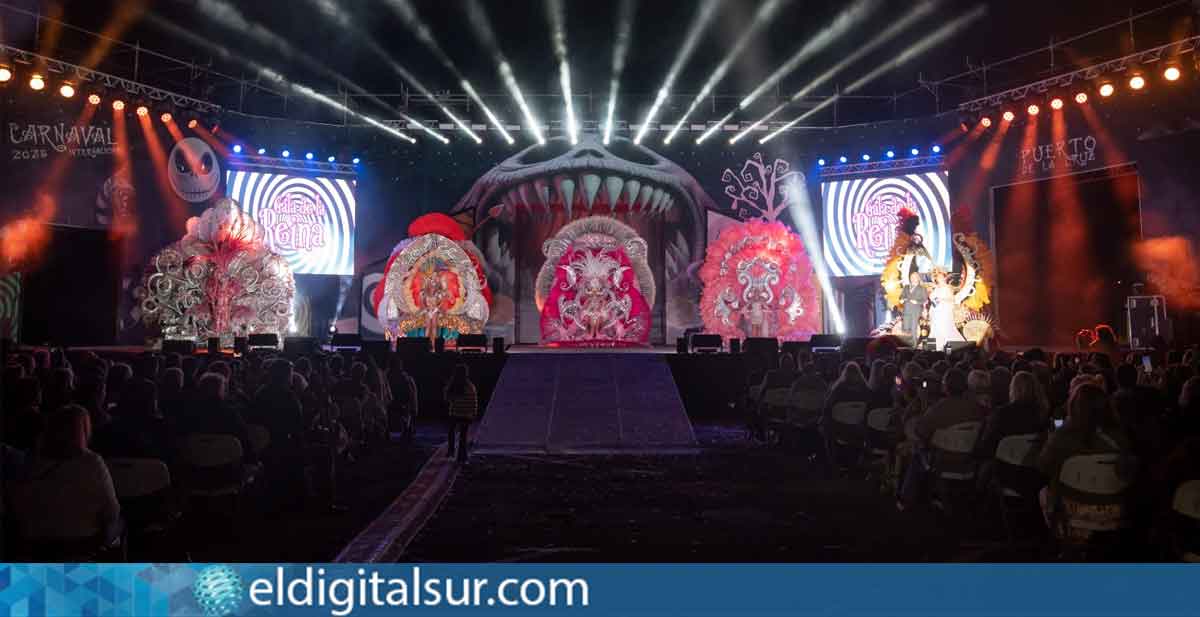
x: 174, y: 457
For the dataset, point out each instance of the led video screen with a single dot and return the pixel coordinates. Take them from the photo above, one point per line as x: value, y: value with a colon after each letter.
x: 861, y: 215
x: 309, y: 219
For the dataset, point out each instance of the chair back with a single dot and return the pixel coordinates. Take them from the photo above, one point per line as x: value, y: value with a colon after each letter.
x: 1187, y: 499
x: 1020, y: 450
x: 260, y: 437
x: 775, y: 401
x: 957, y: 439
x: 1094, y: 475
x: 880, y: 420
x: 805, y: 405
x: 138, y: 477
x: 851, y: 413
x: 210, y: 450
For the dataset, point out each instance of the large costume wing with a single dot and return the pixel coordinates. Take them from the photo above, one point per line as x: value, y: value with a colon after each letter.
x: 974, y: 291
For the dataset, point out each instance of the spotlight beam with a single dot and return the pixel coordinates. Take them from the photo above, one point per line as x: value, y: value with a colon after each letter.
x: 761, y: 18
x: 276, y: 78
x: 935, y: 38
x: 891, y: 32
x: 477, y: 17
x: 408, y: 14
x: 620, y: 50
x: 801, y: 209
x: 341, y: 18
x: 556, y: 13
x: 700, y: 22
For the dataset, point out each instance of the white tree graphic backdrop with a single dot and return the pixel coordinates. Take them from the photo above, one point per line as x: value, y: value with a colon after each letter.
x: 760, y: 190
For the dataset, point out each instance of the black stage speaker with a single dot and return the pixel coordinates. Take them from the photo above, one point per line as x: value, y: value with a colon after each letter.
x: 795, y: 348
x: 762, y: 346
x: 706, y: 343
x: 472, y: 342
x: 855, y: 347
x: 497, y: 345
x: 681, y: 345
x: 735, y: 345
x: 378, y: 350
x: 296, y: 345
x: 409, y: 346
x: 241, y: 345
x: 346, y: 340
x: 185, y: 347
x: 825, y: 340
x: 264, y: 340
x: 214, y: 345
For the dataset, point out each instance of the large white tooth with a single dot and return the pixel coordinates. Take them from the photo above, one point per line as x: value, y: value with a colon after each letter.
x: 631, y: 193
x: 541, y: 187
x: 529, y: 195
x: 644, y: 199
x: 510, y: 204
x: 668, y: 203
x: 613, y: 185
x: 566, y: 188
x: 657, y: 200
x: 591, y: 185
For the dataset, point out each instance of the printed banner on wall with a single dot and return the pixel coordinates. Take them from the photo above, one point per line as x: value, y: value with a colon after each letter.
x: 861, y: 215
x: 309, y: 219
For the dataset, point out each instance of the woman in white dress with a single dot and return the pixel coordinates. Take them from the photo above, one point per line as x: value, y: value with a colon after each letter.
x: 942, y: 328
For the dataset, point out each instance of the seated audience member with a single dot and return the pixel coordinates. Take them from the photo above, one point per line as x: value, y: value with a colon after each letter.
x: 405, y: 405
x: 66, y: 499
x: 882, y: 384
x: 209, y: 413
x: 955, y: 408
x: 149, y: 366
x: 1185, y: 422
x: 277, y: 407
x: 119, y: 374
x: 1140, y: 411
x: 374, y: 407
x: 782, y: 377
x: 1001, y: 380
x: 979, y: 386
x: 1090, y: 428
x: 1025, y: 413
x: 138, y: 430
x: 23, y: 417
x: 171, y: 400
x: 59, y: 390
x: 851, y: 387
x: 1105, y: 343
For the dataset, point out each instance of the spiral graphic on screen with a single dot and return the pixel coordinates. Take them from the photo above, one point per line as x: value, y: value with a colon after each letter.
x: 10, y: 306
x: 309, y: 219
x: 860, y: 219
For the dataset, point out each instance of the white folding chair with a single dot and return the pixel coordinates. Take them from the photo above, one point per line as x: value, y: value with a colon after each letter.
x: 804, y: 407
x: 1016, y: 476
x: 847, y: 427
x: 138, y: 477
x: 881, y: 435
x: 1091, y: 493
x: 954, y: 446
x: 1186, y: 502
x: 260, y: 437
x: 213, y: 464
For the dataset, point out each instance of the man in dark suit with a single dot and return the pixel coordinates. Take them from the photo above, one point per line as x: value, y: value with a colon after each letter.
x: 914, y: 297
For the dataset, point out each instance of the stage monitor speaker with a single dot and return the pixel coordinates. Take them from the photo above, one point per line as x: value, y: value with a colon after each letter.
x: 241, y: 345
x: 472, y: 342
x: 795, y: 348
x: 264, y: 340
x: 681, y: 345
x: 497, y: 345
x: 296, y: 345
x: 855, y: 347
x: 735, y: 345
x: 184, y: 347
x: 826, y: 341
x: 762, y: 346
x: 705, y: 343
x: 439, y: 344
x: 214, y: 345
x: 346, y: 340
x: 410, y: 346
x: 378, y: 350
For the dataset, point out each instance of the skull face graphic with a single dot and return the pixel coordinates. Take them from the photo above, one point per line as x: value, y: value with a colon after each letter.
x: 194, y: 171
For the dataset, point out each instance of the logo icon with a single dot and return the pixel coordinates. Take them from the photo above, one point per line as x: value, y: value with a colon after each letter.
x: 218, y: 591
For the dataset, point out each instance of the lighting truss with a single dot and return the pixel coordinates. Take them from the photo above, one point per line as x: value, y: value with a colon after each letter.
x: 80, y: 75
x: 262, y: 162
x: 1087, y: 74
x: 867, y: 167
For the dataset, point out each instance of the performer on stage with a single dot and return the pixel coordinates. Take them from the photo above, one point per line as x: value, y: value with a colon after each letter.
x: 914, y: 297
x: 942, y: 326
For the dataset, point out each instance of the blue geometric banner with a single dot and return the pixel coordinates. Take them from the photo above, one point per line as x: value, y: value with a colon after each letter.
x: 626, y: 590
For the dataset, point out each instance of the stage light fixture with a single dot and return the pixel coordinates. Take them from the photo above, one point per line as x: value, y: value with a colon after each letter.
x: 237, y: 148
x: 142, y: 111
x: 1033, y: 109
x: 891, y: 154
x: 94, y: 99
x: 914, y: 152
x: 67, y: 90
x: 286, y: 154
x: 331, y: 158
x: 985, y: 122
x: 1081, y: 98
x: 1137, y: 81
x: 36, y: 81
x: 1009, y: 116
x: 821, y: 162
x: 936, y: 149
x: 841, y: 159
x: 1056, y: 103
x: 262, y: 151
x: 1107, y: 89
x: 6, y: 73
x: 1172, y: 73
x: 866, y: 157
x: 193, y: 123
x: 119, y: 105
x: 165, y: 117
x: 355, y: 160
x: 308, y: 156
